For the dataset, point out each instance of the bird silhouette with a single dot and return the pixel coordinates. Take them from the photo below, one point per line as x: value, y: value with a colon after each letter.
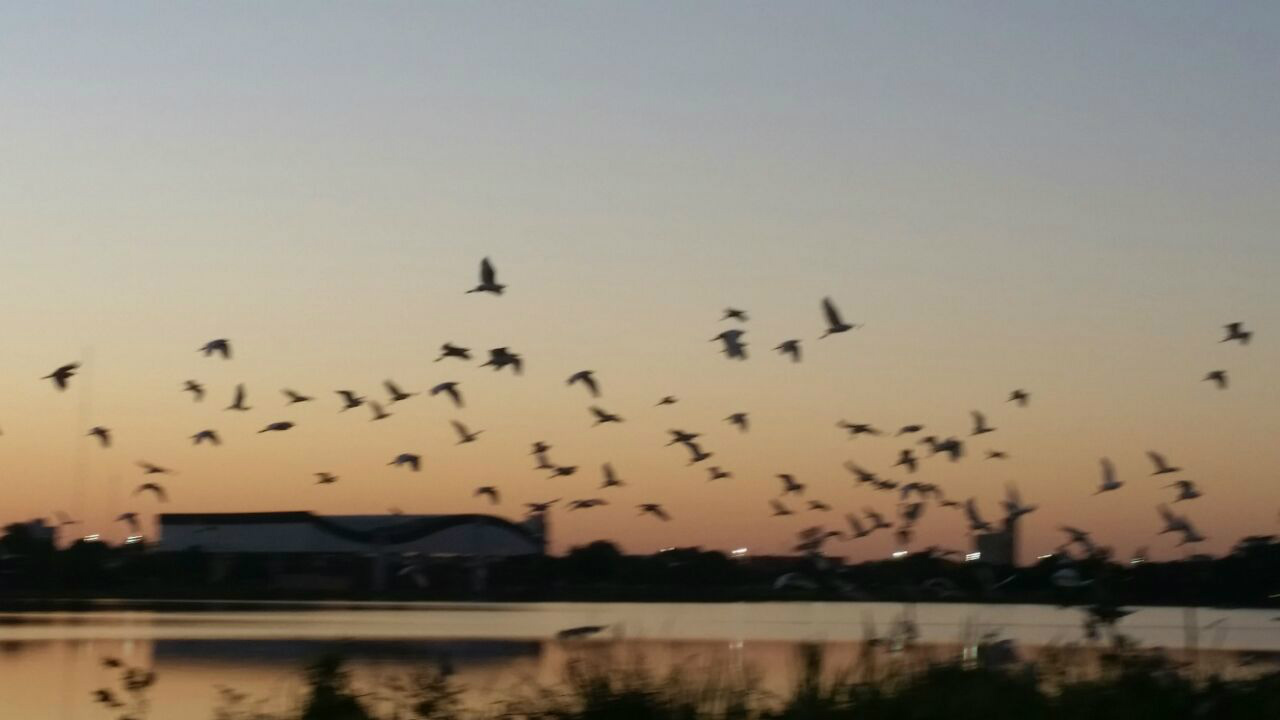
x: 276, y: 427
x: 464, y: 435
x: 655, y: 510
x: 603, y: 416
x: 834, y: 323
x: 877, y: 520
x: 980, y: 426
x: 64, y: 519
x: 563, y: 471
x: 324, y: 478
x: 856, y: 429
x: 908, y: 429
x: 1186, y: 490
x: 1012, y: 503
x: 680, y: 436
x: 610, y: 477
x: 209, y: 436
x: 62, y: 375
x: 536, y: 508
x: 997, y: 455
x: 732, y: 314
x: 449, y: 350
x: 349, y: 399
x: 790, y: 485
x: 696, y: 453
x: 488, y: 491
x: 716, y: 473
x: 1022, y: 397
x: 1162, y: 466
x: 819, y: 506
x: 409, y: 460
x: 907, y: 459
x: 152, y: 469
x: 1219, y: 377
x: 238, y: 400
x: 738, y: 419
x: 130, y: 519
x: 790, y: 348
x: 779, y: 509
x: 1109, y: 481
x: 863, y: 476
x: 1236, y: 331
x: 586, y: 503
x: 503, y: 357
x: 667, y: 400
x: 103, y: 435
x: 450, y: 389
x: 221, y: 346
x: 1172, y: 521
x: 195, y: 388
x: 733, y: 346
x: 395, y: 393
x: 295, y: 397
x: 153, y: 488
x: 588, y: 380
x: 976, y: 523
x: 488, y: 279
x: 856, y: 526
x: 378, y: 412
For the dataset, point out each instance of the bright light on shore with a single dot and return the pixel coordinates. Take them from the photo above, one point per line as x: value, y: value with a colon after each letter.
x: 738, y: 552
x: 900, y: 553
x: 973, y: 556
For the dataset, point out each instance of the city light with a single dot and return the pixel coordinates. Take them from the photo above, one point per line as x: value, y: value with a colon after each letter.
x: 900, y: 553
x: 738, y: 552
x: 132, y: 539
x: 92, y: 538
x: 973, y: 556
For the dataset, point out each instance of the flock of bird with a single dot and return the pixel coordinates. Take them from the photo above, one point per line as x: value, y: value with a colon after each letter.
x: 913, y: 497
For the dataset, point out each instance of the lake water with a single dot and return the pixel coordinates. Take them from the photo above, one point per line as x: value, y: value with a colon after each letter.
x: 50, y: 661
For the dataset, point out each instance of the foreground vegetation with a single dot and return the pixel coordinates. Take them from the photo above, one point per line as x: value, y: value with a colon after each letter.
x: 1120, y: 683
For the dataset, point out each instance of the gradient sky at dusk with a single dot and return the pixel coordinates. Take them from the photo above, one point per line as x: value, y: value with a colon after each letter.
x: 1069, y: 198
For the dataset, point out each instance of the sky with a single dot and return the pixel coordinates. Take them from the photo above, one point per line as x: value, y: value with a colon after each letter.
x: 1067, y: 198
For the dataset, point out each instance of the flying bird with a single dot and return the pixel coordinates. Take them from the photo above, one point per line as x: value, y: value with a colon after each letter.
x: 655, y: 510
x: 907, y: 459
x: 680, y: 436
x: 1012, y: 503
x: 908, y: 429
x: 834, y: 323
x: 195, y: 388
x: 1162, y: 467
x: 819, y: 506
x: 779, y: 509
x: 129, y: 518
x: 503, y: 357
x: 716, y: 473
x: 586, y: 503
x: 732, y: 314
x: 409, y: 460
x: 449, y: 350
x: 790, y: 348
x: 1219, y: 377
x: 1019, y: 396
x: 450, y: 389
x: 1236, y: 331
x: 790, y: 484
x: 103, y: 435
x: 610, y: 477
x: 209, y: 436
x: 980, y: 424
x: 276, y: 427
x: 563, y: 471
x: 877, y: 520
x: 734, y: 348
x: 238, y: 400
x: 464, y: 435
x: 221, y: 346
x: 1172, y: 521
x: 856, y: 429
x: 997, y: 455
x: 863, y: 475
x: 378, y: 412
x: 588, y: 380
x: 324, y: 478
x: 151, y: 469
x: 488, y: 491
x: 1109, y: 481
x: 738, y: 419
x: 62, y: 375
x: 667, y: 400
x: 859, y: 531
x: 154, y: 488
x: 696, y: 453
x: 1186, y: 490
x: 540, y: 507
x: 295, y: 397
x: 488, y: 279
x: 603, y: 416
x: 349, y: 399
x: 395, y: 392
x: 976, y: 523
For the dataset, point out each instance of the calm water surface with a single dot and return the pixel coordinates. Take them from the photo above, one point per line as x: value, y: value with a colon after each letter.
x: 49, y: 661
